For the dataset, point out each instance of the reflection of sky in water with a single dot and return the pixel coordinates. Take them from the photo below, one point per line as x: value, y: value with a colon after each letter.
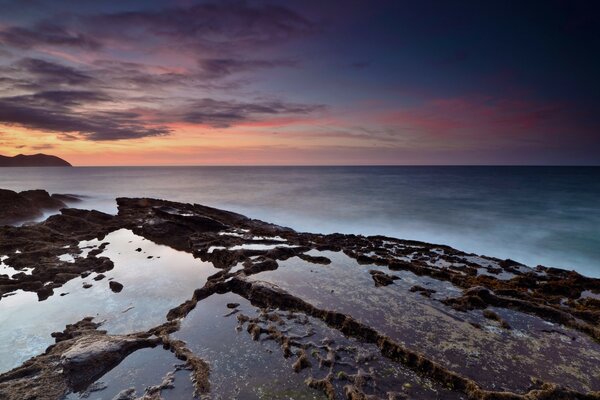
x: 534, y: 215
x: 438, y: 331
x: 10, y: 271
x: 241, y: 368
x: 143, y: 368
x: 151, y: 288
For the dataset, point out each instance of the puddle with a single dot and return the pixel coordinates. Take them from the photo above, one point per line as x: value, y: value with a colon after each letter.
x: 151, y: 288
x: 493, y: 357
x: 141, y: 369
x: 256, y: 246
x: 67, y: 258
x: 10, y: 271
x: 240, y: 368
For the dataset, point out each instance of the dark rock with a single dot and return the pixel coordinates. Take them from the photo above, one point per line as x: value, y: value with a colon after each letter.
x: 115, y: 286
x: 381, y: 278
x: 424, y: 291
x: 14, y: 207
x: 42, y: 200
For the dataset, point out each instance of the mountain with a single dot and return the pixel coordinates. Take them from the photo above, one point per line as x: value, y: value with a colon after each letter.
x: 36, y: 160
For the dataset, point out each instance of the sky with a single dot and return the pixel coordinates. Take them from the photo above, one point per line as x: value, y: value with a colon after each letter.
x: 301, y: 82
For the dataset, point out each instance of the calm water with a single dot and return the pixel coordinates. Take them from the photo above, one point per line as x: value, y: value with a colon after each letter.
x: 536, y: 215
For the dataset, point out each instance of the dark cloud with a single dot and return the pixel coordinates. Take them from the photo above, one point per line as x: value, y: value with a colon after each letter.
x: 46, y: 33
x: 116, y: 99
x: 222, y: 114
x: 213, y: 25
x: 128, y: 75
x: 50, y: 73
x: 57, y: 111
x: 68, y: 98
x: 28, y: 111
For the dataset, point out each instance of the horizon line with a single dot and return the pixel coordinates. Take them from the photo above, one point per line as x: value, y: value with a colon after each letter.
x: 331, y: 165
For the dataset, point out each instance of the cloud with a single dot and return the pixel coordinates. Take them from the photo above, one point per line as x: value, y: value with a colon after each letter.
x: 67, y: 112
x: 220, y: 25
x: 32, y: 113
x: 128, y: 75
x: 222, y: 114
x: 50, y: 73
x: 42, y: 147
x: 68, y: 98
x: 46, y: 33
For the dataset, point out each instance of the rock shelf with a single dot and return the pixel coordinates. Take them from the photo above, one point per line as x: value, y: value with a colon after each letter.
x: 327, y: 316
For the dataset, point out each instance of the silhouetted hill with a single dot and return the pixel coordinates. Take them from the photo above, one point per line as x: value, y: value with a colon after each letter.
x: 36, y: 160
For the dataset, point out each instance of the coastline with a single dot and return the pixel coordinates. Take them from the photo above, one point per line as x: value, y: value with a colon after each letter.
x: 411, y: 303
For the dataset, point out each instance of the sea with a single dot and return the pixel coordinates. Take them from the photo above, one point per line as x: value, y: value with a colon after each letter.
x: 535, y: 215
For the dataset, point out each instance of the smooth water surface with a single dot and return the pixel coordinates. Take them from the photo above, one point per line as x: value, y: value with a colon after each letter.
x: 535, y: 215
x: 151, y: 287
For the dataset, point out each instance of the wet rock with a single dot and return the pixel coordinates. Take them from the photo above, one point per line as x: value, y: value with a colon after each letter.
x: 489, y: 314
x: 42, y: 200
x: 423, y: 291
x: 549, y: 294
x: 315, y: 259
x: 25, y: 205
x: 302, y: 362
x: 81, y: 355
x: 44, y: 292
x: 115, y: 286
x: 14, y: 207
x: 381, y: 278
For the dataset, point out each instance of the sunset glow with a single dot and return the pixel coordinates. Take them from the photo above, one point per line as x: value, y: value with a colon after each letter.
x: 236, y: 82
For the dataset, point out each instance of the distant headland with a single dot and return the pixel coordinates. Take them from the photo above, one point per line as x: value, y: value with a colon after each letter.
x: 35, y: 160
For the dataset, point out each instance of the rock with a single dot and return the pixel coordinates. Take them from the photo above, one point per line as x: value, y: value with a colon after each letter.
x: 87, y: 285
x: 26, y: 205
x: 115, y: 286
x: 14, y: 207
x: 381, y: 278
x: 126, y: 394
x: 42, y: 200
x: 233, y: 305
x: 81, y: 355
x: 424, y: 291
x: 99, y: 277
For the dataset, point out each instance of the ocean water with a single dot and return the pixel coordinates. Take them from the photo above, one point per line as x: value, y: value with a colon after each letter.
x: 535, y: 215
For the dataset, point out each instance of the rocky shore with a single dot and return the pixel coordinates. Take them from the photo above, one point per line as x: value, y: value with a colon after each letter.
x: 30, y: 204
x: 330, y: 316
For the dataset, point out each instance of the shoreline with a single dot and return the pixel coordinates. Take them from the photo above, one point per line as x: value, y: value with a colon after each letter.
x: 496, y: 304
